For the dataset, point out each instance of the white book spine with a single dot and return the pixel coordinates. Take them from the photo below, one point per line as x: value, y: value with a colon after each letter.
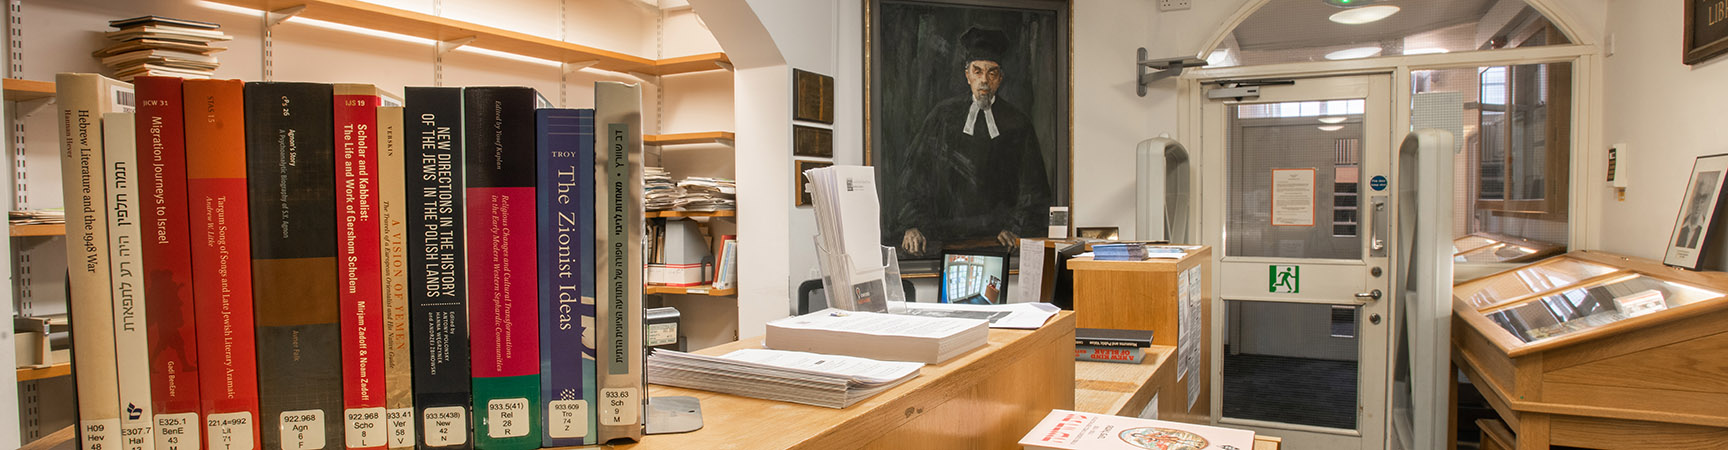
x: 126, y: 264
x: 622, y: 399
x: 82, y: 98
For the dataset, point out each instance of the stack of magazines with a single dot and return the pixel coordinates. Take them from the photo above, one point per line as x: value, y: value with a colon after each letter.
x: 160, y: 46
x: 658, y: 191
x: 819, y: 380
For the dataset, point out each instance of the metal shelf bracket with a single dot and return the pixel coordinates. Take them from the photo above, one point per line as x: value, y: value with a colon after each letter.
x: 1161, y: 68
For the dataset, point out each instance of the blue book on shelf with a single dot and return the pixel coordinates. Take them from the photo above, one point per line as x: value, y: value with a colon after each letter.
x: 565, y: 190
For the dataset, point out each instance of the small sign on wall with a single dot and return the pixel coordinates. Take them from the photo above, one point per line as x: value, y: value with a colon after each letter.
x: 1293, y: 197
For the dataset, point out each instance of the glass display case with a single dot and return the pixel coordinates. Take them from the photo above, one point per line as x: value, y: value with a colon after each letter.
x: 1483, y: 247
x: 1591, y: 349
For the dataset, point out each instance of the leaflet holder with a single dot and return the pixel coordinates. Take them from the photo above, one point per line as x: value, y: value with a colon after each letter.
x: 871, y: 295
x: 1163, y: 191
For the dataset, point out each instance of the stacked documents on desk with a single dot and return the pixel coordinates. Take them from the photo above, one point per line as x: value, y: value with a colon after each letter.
x: 1119, y: 252
x: 849, y: 223
x: 820, y: 380
x: 892, y: 337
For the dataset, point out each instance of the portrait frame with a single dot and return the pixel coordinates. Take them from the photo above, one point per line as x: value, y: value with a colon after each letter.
x: 1051, y: 75
x: 1702, y: 41
x: 1701, y: 200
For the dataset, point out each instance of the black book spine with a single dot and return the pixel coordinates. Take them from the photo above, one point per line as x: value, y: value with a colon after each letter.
x: 290, y: 172
x: 1111, y: 343
x: 437, y: 283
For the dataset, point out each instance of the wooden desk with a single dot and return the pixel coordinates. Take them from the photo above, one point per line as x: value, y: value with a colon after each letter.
x: 986, y: 399
x: 1126, y: 390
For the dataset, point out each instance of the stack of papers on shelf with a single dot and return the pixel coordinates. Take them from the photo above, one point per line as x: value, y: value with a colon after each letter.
x: 658, y: 191
x: 707, y: 194
x: 161, y: 46
x: 849, y: 227
x: 37, y: 216
x: 1119, y: 252
x: 1070, y: 430
x: 892, y: 337
x: 1026, y: 316
x: 819, y: 380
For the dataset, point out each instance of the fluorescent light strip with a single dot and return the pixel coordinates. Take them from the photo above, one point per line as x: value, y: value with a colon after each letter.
x: 383, y: 34
x: 1353, y: 53
x: 509, y: 56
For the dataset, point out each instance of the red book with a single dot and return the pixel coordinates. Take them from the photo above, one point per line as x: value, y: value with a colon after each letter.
x: 359, y: 256
x: 215, y: 124
x: 167, y: 253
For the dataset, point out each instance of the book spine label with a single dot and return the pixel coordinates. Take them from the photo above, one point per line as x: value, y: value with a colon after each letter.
x: 1109, y: 354
x: 358, y: 255
x: 1110, y: 343
x: 502, y: 289
x: 566, y: 291
x: 216, y: 193
x: 290, y: 158
x: 618, y: 170
x: 131, y: 341
x: 82, y: 99
x: 393, y: 234
x: 167, y: 256
x: 437, y: 279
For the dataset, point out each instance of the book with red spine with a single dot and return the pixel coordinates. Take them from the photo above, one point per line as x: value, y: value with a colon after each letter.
x: 358, y: 256
x: 167, y: 253
x: 216, y: 198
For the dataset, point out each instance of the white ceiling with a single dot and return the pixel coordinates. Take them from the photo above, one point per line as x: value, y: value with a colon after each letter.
x: 1286, y: 24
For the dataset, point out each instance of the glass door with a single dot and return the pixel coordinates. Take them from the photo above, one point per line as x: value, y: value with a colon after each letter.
x: 1305, y: 227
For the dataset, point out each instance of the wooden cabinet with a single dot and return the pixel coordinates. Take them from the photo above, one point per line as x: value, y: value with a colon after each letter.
x: 1146, y: 295
x: 1563, y: 364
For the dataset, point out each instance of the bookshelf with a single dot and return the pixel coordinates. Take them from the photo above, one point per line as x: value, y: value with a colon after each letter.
x: 22, y: 90
x: 443, y: 29
x: 40, y: 373
x: 691, y: 290
x: 706, y: 137
x: 669, y: 214
x: 45, y: 229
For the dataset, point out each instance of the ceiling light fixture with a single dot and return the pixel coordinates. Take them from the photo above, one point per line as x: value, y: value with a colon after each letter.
x: 1365, y: 14
x: 1332, y: 120
x: 1353, y: 53
x: 1331, y: 127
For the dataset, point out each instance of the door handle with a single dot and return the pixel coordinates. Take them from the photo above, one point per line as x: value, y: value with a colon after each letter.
x: 1377, y: 233
x: 1370, y: 295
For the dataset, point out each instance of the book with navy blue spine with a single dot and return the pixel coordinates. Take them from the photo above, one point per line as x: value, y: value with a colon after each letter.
x: 566, y: 234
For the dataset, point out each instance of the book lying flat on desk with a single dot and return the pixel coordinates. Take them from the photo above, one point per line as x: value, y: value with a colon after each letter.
x: 1125, y: 355
x: 831, y: 381
x: 1070, y: 430
x: 890, y: 337
x: 1105, y: 337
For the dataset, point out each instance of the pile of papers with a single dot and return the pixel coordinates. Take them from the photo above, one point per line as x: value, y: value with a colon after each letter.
x: 892, y: 337
x: 658, y: 191
x: 819, y: 380
x: 849, y: 232
x: 161, y: 46
x: 707, y: 194
x: 1024, y: 316
x: 37, y: 216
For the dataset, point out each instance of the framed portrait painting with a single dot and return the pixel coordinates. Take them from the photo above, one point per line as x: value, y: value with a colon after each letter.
x: 967, y: 105
x: 1697, y: 210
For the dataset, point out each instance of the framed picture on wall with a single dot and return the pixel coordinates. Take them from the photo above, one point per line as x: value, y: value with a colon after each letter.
x: 1706, y: 34
x: 967, y: 106
x: 801, y: 197
x: 1697, y: 210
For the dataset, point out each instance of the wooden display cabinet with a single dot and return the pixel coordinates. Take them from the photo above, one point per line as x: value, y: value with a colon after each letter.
x: 1563, y: 364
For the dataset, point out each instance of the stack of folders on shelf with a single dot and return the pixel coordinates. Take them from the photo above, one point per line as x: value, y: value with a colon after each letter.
x: 1119, y: 252
x: 1107, y: 345
x: 848, y: 220
x: 152, y: 45
x: 893, y: 337
x: 820, y: 380
x: 37, y: 216
x: 1072, y: 430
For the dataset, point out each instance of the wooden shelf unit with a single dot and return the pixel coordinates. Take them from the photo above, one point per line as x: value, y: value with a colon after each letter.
x: 705, y: 137
x: 707, y: 290
x: 42, y: 229
x: 442, y: 29
x: 720, y: 213
x: 21, y: 90
x: 38, y: 373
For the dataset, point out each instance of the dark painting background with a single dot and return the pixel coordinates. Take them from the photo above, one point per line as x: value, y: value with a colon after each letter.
x: 916, y: 61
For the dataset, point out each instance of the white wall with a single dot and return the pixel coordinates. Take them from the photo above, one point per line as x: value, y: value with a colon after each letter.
x: 1667, y: 112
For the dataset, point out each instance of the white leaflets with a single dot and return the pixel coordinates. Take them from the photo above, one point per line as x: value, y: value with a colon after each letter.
x: 1026, y: 316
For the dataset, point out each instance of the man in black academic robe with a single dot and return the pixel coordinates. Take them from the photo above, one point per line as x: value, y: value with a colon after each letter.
x: 974, y: 170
